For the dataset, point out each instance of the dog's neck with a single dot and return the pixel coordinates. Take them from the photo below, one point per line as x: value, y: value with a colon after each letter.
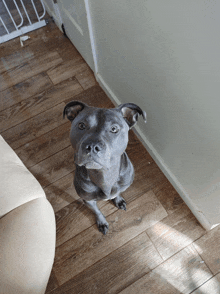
x: 105, y: 178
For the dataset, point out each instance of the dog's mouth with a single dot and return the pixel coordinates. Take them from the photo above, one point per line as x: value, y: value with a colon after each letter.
x: 93, y: 165
x: 88, y: 162
x: 90, y: 165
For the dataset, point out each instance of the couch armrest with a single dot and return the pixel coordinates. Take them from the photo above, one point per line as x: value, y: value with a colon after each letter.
x: 17, y: 184
x: 27, y: 247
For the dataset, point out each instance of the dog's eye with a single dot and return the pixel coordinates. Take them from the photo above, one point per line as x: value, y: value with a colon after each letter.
x: 114, y: 129
x: 81, y: 126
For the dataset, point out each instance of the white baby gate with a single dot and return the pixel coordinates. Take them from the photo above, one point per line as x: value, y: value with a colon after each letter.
x: 18, y: 28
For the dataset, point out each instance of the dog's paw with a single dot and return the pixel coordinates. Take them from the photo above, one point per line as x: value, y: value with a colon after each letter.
x: 120, y: 202
x: 103, y: 227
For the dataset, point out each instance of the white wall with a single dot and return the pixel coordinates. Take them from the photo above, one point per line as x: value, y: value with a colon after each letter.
x: 72, y: 14
x: 53, y: 11
x: 165, y: 56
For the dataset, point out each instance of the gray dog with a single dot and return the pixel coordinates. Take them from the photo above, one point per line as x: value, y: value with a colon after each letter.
x: 99, y: 137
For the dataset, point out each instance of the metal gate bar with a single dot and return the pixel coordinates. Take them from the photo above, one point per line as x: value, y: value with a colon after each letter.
x: 19, y: 30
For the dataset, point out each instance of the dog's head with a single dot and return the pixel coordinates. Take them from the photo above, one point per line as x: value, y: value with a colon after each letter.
x: 99, y: 135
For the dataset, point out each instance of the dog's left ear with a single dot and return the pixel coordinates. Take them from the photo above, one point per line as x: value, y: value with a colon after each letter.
x: 130, y: 112
x: 72, y: 109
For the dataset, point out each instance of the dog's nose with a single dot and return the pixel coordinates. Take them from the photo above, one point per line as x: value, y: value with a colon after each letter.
x: 96, y: 148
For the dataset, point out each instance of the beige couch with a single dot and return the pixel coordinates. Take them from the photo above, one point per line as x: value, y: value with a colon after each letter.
x: 27, y: 228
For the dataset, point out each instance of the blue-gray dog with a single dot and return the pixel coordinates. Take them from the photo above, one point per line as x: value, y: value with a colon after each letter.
x: 99, y: 137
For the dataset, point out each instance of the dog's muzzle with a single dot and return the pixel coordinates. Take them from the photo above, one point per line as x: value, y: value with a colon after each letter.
x: 92, y: 154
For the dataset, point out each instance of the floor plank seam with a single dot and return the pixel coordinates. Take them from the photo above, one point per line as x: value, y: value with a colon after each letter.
x: 39, y: 93
x: 50, y: 77
x: 204, y: 283
x: 97, y: 229
x: 81, y: 84
x: 59, y: 180
x: 56, y: 104
x: 43, y: 72
x: 7, y: 71
x: 99, y: 259
x: 38, y: 137
x: 26, y: 63
x: 70, y: 77
x: 164, y: 260
x: 49, y: 157
x: 213, y: 274
x: 154, y: 244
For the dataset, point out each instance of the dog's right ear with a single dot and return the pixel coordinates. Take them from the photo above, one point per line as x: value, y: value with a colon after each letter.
x: 72, y: 109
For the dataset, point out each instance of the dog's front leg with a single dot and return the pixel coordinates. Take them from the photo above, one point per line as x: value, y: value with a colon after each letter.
x: 100, y: 219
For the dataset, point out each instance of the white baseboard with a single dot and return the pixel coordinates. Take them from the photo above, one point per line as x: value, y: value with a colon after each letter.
x: 159, y: 161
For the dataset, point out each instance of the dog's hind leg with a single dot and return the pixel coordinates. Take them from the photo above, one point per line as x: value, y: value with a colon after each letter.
x: 100, y: 219
x: 119, y: 202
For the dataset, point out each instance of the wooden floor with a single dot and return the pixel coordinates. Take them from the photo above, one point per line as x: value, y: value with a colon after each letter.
x: 156, y: 246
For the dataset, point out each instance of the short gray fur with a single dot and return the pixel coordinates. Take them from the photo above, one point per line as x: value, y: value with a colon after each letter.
x: 99, y: 137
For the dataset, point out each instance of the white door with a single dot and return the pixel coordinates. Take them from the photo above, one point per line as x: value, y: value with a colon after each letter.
x: 74, y: 18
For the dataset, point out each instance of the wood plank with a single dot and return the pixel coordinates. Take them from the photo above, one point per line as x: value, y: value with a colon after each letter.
x: 38, y: 103
x: 94, y: 96
x: 15, y: 59
x: 34, y: 127
x: 210, y: 287
x: 55, y: 167
x: 90, y: 246
x: 61, y: 192
x: 86, y: 78
x: 147, y: 173
x: 54, y: 41
x: 168, y: 196
x: 117, y: 270
x: 182, y: 273
x: 72, y: 220
x: 28, y: 69
x: 52, y: 283
x: 76, y: 217
x: 208, y: 247
x: 24, y: 90
x: 9, y: 47
x: 67, y: 70
x: 146, y: 178
x: 175, y: 232
x: 45, y: 145
x: 64, y: 47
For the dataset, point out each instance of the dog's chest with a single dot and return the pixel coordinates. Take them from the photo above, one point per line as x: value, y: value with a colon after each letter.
x: 105, y: 180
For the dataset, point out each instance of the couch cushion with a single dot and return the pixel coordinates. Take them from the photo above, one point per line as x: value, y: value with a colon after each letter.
x: 17, y: 184
x: 27, y: 248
